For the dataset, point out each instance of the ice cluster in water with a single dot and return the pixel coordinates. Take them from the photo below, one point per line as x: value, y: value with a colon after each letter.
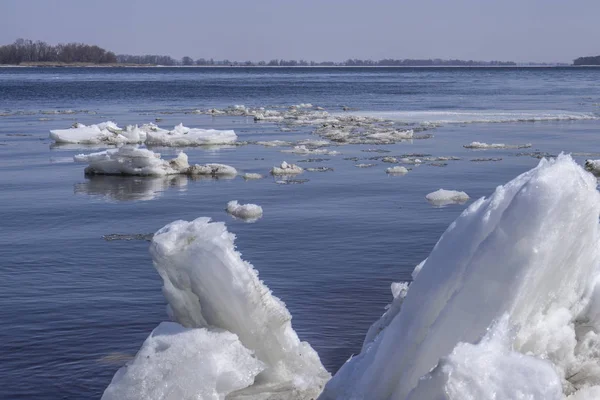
x: 110, y: 133
x: 485, y: 146
x: 506, y: 306
x: 133, y: 161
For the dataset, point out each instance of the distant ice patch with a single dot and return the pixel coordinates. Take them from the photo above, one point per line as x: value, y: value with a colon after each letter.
x: 434, y: 117
x: 484, y: 146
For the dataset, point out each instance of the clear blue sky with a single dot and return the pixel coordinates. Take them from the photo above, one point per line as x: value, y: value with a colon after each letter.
x: 518, y: 30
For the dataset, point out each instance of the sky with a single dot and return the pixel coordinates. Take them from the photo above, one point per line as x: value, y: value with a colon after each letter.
x: 319, y: 30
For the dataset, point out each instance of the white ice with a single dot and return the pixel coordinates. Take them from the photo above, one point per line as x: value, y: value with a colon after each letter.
x: 397, y: 170
x: 302, y: 149
x: 128, y: 160
x: 475, y: 116
x: 444, y: 197
x: 177, y: 363
x: 479, y: 145
x: 287, y: 169
x: 247, y: 212
x: 216, y: 170
x: 184, y: 136
x: 505, y: 307
x: 103, y: 133
x: 251, y: 176
x: 209, y: 287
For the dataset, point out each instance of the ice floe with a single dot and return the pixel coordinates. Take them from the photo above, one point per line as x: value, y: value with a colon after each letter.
x: 252, y: 176
x: 303, y: 150
x: 479, y: 145
x: 134, y: 161
x: 444, y: 197
x: 397, y: 170
x: 287, y: 169
x: 248, y: 212
x: 110, y: 134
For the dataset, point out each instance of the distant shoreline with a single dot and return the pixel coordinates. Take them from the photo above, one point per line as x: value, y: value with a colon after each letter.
x: 120, y: 65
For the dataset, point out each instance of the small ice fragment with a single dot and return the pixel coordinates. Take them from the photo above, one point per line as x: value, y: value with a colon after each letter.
x: 397, y: 170
x: 251, y: 176
x: 480, y: 145
x: 444, y: 197
x: 248, y: 212
x: 287, y: 169
x: 212, y: 169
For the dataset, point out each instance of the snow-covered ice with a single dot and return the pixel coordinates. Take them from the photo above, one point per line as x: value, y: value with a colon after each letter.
x: 397, y: 170
x: 251, y: 176
x: 505, y: 306
x: 287, y: 169
x: 184, y: 136
x: 177, y: 363
x: 444, y: 197
x: 104, y: 133
x: 129, y: 160
x: 248, y: 212
x: 109, y: 133
x: 212, y: 170
x: 485, y: 146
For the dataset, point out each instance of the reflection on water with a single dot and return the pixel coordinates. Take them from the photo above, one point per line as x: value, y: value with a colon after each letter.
x: 80, y: 146
x: 129, y: 188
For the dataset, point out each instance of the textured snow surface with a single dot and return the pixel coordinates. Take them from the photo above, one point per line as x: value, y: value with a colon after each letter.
x: 506, y: 306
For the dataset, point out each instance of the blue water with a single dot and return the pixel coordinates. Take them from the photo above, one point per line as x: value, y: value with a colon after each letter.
x: 74, y: 306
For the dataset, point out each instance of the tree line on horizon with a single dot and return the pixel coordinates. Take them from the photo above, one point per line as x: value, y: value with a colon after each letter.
x: 28, y: 51
x: 587, y: 60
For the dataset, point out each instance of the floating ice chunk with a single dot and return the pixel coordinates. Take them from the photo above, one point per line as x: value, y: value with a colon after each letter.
x: 410, y: 160
x: 287, y: 169
x: 132, y: 161
x: 397, y: 170
x: 248, y: 212
x: 176, y: 363
x: 184, y: 136
x: 314, y: 143
x: 593, y: 166
x: 305, y: 150
x: 530, y: 251
x: 105, y: 133
x: 391, y: 160
x: 212, y: 169
x: 274, y: 143
x: 444, y: 197
x: 362, y: 165
x: 208, y: 285
x: 319, y: 169
x: 471, y: 371
x: 479, y: 145
x: 302, y: 105
x: 251, y: 176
